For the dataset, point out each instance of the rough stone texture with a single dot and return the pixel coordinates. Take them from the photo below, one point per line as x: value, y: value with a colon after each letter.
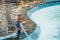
x: 29, y: 24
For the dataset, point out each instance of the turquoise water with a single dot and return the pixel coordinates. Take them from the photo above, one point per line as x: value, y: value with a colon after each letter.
x: 47, y: 19
x: 47, y: 16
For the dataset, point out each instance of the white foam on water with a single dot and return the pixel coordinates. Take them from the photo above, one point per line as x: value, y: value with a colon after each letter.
x: 48, y: 19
